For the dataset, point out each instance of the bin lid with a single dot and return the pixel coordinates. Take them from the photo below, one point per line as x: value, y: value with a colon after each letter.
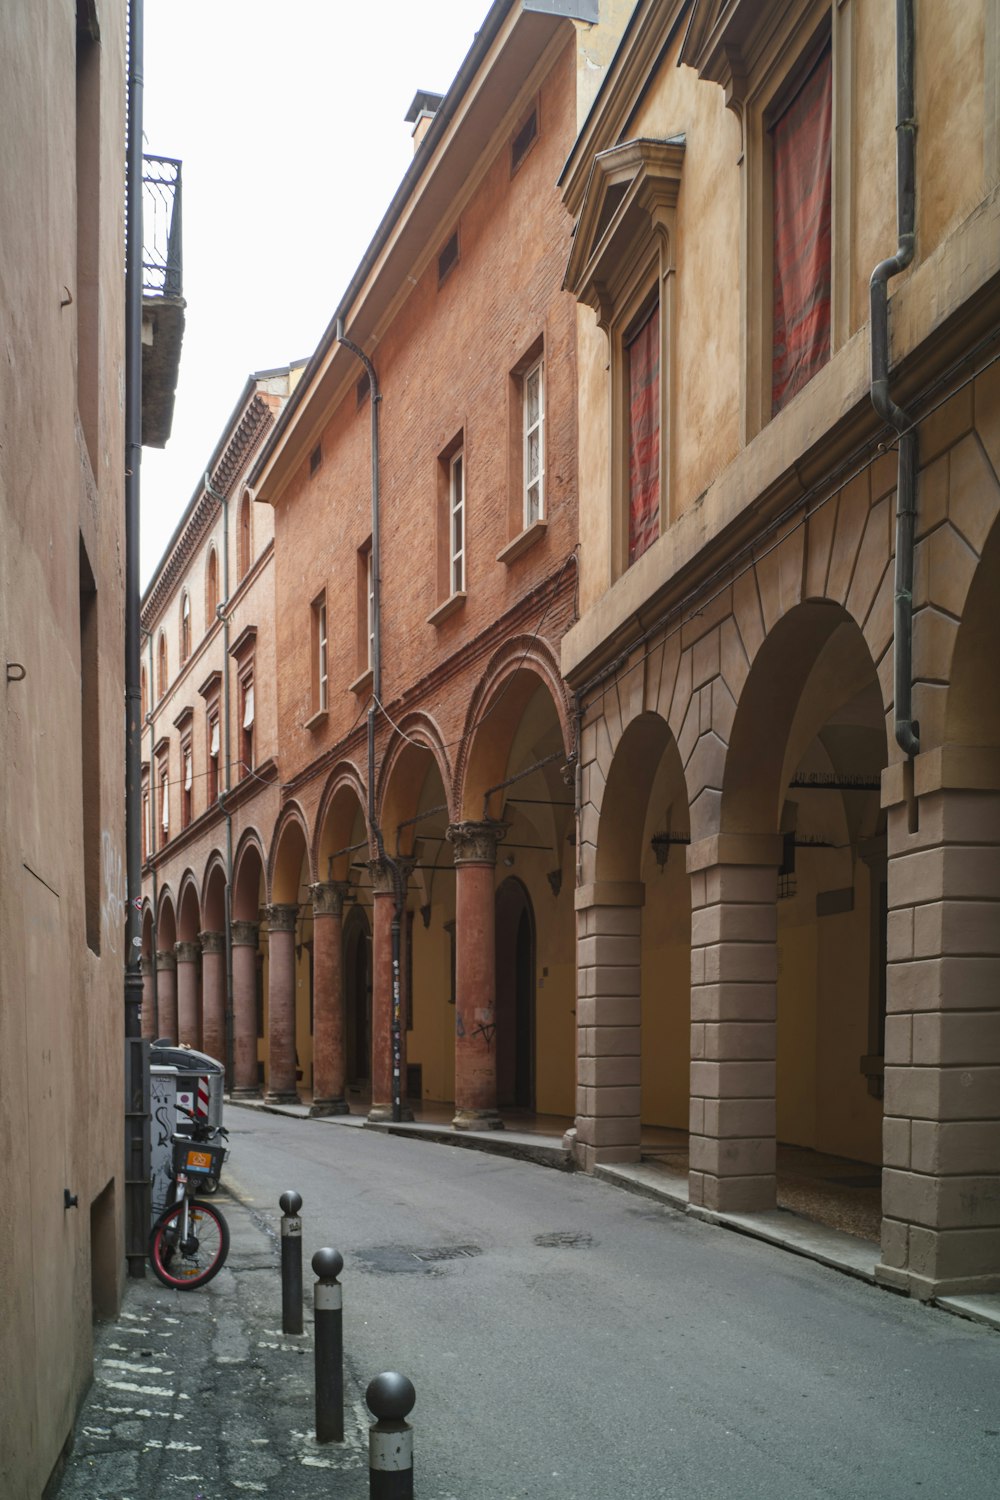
x: 186, y: 1059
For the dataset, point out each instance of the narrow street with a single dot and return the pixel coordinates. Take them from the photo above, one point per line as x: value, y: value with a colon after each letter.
x: 568, y: 1341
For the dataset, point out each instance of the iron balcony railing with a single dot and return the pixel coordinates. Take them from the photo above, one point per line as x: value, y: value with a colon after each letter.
x: 162, y: 264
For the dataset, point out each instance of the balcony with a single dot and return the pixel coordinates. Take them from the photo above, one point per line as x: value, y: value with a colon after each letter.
x: 162, y: 299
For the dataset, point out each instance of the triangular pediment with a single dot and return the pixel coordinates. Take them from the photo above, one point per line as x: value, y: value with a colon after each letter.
x: 627, y: 187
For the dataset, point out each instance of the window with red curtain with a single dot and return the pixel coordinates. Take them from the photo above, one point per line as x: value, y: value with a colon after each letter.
x: 642, y: 362
x: 801, y: 156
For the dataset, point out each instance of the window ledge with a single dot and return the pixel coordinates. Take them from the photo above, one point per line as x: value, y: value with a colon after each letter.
x: 361, y: 684
x: 449, y: 607
x: 527, y: 538
x: 317, y: 719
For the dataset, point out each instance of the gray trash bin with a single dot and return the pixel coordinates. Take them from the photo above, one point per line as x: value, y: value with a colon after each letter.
x: 178, y: 1075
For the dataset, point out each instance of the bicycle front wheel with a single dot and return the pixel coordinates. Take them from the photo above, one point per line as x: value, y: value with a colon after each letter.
x: 188, y: 1263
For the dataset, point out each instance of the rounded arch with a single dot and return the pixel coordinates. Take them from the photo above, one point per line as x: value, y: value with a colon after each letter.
x: 289, y: 849
x: 812, y: 665
x: 341, y: 821
x: 415, y: 746
x: 623, y: 809
x: 213, y: 893
x: 512, y: 678
x: 249, y: 866
x: 188, y: 909
x: 166, y: 921
x: 972, y: 707
x: 148, y: 930
x: 244, y: 535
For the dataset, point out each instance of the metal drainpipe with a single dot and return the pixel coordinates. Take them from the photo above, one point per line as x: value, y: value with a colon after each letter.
x: 222, y: 612
x: 399, y: 895
x: 137, y: 1076
x: 152, y: 840
x: 907, y: 729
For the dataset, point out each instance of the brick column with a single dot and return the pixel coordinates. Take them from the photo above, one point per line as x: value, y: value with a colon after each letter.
x: 329, y: 1061
x: 213, y: 994
x: 941, y: 1130
x: 281, y: 1083
x: 475, y: 852
x: 166, y: 988
x: 148, y: 998
x: 188, y: 1031
x: 608, y: 1021
x: 245, y: 937
x: 734, y: 971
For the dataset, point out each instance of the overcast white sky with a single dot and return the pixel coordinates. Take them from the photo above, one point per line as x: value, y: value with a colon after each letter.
x: 289, y: 122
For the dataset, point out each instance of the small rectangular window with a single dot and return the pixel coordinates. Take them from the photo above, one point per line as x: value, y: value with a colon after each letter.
x: 370, y: 609
x: 456, y: 509
x: 164, y: 801
x: 246, y: 726
x: 213, y: 757
x: 320, y: 680
x: 448, y: 258
x: 533, y: 422
x: 523, y: 140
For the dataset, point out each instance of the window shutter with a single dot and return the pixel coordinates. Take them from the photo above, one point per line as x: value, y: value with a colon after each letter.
x: 214, y: 747
x: 188, y: 771
x: 165, y: 815
x: 248, y: 708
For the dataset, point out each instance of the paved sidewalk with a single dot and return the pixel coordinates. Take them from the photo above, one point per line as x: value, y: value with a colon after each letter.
x: 199, y: 1396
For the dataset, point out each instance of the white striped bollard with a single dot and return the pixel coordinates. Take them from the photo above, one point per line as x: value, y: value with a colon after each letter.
x: 390, y: 1399
x: 328, y: 1303
x: 291, y: 1263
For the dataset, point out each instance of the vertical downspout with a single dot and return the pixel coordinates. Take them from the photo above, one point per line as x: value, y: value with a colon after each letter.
x: 907, y: 730
x: 136, y: 1080
x: 399, y: 895
x: 152, y: 842
x: 222, y: 611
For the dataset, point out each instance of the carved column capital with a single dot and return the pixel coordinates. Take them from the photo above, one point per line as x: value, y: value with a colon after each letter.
x: 476, y: 843
x: 281, y: 916
x: 328, y: 897
x: 245, y: 934
x: 381, y: 873
x: 166, y: 959
x: 212, y: 942
x: 187, y: 953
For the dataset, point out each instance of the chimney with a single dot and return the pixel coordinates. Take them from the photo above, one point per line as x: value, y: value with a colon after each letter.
x: 421, y: 112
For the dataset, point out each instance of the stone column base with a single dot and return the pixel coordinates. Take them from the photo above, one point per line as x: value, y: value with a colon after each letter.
x: 320, y: 1108
x: 285, y: 1096
x: 477, y: 1119
x: 236, y: 1094
x: 380, y: 1113
x: 926, y: 1288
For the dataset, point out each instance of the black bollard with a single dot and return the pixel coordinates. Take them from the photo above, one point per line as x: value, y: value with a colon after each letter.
x: 291, y: 1263
x: 390, y: 1399
x: 328, y: 1304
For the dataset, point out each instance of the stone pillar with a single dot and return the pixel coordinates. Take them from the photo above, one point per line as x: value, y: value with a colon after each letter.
x: 281, y: 1084
x: 734, y: 972
x: 384, y: 901
x: 188, y: 1030
x: 245, y: 1081
x: 941, y: 1129
x: 329, y: 1060
x: 148, y: 998
x: 166, y: 988
x: 608, y: 1021
x: 213, y: 994
x: 475, y: 851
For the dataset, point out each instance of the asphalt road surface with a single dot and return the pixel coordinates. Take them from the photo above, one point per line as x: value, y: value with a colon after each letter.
x: 569, y: 1341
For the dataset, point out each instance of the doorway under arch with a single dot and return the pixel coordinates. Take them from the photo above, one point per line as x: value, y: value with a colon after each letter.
x: 515, y: 996
x: 358, y: 996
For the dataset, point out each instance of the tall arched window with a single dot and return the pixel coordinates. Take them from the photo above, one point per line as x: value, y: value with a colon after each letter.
x: 185, y: 626
x: 243, y: 540
x: 211, y: 588
x: 161, y: 666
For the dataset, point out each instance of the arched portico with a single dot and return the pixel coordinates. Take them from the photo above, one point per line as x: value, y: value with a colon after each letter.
x: 188, y: 954
x: 290, y: 945
x: 342, y: 841
x: 249, y: 967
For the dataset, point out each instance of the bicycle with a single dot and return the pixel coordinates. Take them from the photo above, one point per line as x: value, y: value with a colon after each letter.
x: 189, y: 1242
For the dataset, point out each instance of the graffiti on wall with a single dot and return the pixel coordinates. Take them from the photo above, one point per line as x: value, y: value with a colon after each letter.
x: 113, y: 895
